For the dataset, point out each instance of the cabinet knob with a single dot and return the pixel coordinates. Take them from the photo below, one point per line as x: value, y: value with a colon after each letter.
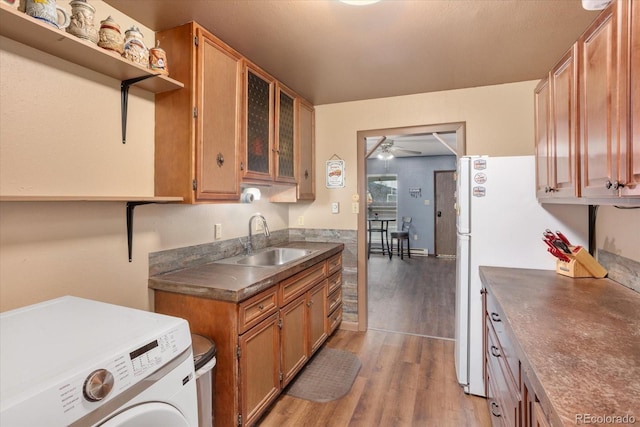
x: 495, y: 317
x: 617, y: 184
x: 261, y: 307
x: 220, y: 159
x: 608, y: 185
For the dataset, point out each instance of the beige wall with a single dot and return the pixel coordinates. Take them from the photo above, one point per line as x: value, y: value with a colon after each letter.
x: 499, y: 122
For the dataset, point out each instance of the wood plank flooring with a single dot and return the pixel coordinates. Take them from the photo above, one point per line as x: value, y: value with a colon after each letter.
x: 415, y: 295
x: 407, y: 377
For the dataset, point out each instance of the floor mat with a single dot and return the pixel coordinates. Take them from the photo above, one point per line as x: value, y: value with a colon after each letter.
x: 328, y: 376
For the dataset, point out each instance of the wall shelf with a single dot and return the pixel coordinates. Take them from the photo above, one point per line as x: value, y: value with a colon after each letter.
x: 24, y: 29
x: 131, y: 203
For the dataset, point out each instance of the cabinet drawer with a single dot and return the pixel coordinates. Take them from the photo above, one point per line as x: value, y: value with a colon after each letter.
x: 505, y: 391
x: 335, y: 281
x: 334, y: 264
x: 334, y: 319
x: 495, y: 409
x: 334, y: 300
x: 496, y: 320
x: 301, y: 282
x: 255, y: 309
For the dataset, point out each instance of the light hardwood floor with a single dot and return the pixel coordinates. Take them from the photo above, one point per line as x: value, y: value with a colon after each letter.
x: 407, y: 377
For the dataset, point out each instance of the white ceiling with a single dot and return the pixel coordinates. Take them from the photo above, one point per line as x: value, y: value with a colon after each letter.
x: 331, y: 52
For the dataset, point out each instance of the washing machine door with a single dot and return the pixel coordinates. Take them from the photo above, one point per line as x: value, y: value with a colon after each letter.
x: 152, y: 414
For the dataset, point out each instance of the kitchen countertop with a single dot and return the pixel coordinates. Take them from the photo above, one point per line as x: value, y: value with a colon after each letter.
x: 235, y: 283
x: 578, y: 341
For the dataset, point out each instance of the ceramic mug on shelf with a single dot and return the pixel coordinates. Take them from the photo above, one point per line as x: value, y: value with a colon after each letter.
x: 47, y: 11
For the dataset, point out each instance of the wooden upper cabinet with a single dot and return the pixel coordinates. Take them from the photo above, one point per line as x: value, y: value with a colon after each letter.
x: 563, y: 142
x: 306, y: 151
x: 542, y: 120
x: 258, y: 124
x: 597, y: 49
x: 285, y: 120
x: 609, y: 98
x: 556, y: 131
x: 197, y: 128
x: 629, y: 166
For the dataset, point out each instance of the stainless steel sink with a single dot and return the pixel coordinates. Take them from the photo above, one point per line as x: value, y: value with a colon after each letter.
x: 270, y: 257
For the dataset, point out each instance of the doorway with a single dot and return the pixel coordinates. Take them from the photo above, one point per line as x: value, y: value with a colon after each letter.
x: 363, y: 151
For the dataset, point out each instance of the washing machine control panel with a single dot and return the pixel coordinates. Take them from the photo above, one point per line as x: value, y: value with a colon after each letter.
x: 80, y: 395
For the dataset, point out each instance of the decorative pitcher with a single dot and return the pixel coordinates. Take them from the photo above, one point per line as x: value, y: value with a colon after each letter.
x: 47, y: 11
x: 82, y: 25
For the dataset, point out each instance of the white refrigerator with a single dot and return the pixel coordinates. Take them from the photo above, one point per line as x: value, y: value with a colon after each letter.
x: 499, y: 223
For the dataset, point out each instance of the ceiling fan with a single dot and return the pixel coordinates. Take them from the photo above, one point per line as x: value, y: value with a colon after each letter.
x: 387, y: 149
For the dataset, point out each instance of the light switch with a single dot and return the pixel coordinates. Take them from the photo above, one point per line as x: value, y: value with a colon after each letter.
x: 217, y: 232
x: 335, y: 207
x: 427, y: 202
x: 300, y: 220
x: 355, y: 207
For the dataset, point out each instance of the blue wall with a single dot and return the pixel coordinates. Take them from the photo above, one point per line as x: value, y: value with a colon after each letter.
x: 415, y: 172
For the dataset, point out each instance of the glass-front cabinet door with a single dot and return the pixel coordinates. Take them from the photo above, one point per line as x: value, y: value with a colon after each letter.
x: 259, y: 107
x: 285, y: 135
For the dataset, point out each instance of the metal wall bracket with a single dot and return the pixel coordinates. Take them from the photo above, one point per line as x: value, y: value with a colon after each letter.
x: 124, y: 100
x: 130, y: 207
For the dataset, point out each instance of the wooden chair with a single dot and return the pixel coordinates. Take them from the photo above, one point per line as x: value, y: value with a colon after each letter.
x: 402, y: 236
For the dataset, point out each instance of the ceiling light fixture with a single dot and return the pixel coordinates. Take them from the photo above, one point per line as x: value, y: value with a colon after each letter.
x: 385, y: 155
x: 359, y: 2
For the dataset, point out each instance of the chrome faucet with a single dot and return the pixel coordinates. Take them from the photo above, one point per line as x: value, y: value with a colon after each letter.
x: 249, y: 245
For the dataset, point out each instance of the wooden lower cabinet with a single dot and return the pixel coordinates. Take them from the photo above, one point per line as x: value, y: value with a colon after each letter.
x: 264, y: 341
x: 259, y: 368
x: 511, y: 399
x: 294, y: 349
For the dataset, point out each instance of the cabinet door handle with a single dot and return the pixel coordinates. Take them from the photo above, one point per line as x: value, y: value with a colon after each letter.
x: 495, y: 351
x: 495, y: 317
x: 494, y: 406
x: 306, y: 174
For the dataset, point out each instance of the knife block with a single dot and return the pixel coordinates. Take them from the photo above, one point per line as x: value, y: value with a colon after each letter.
x: 582, y: 264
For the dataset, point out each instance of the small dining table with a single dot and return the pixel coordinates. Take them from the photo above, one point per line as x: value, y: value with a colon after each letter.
x: 383, y: 229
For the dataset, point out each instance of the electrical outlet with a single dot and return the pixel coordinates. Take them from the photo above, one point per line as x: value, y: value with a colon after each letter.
x: 415, y: 237
x: 300, y: 220
x: 259, y: 226
x: 217, y: 232
x: 355, y: 207
x: 335, y: 207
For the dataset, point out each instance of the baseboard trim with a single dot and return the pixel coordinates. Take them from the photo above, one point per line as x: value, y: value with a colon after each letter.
x: 349, y: 326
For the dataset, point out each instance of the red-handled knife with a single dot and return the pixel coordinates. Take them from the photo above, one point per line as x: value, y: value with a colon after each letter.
x: 563, y: 238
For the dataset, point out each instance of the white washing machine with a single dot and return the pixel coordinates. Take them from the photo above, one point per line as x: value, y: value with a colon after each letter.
x: 77, y: 362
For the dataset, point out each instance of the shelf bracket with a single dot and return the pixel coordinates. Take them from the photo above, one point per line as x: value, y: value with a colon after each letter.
x: 124, y: 100
x: 130, y: 207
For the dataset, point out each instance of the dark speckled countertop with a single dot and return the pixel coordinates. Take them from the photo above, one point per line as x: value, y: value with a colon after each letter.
x: 235, y: 283
x: 578, y: 341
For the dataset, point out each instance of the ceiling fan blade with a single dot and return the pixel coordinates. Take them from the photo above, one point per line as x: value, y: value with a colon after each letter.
x: 404, y: 150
